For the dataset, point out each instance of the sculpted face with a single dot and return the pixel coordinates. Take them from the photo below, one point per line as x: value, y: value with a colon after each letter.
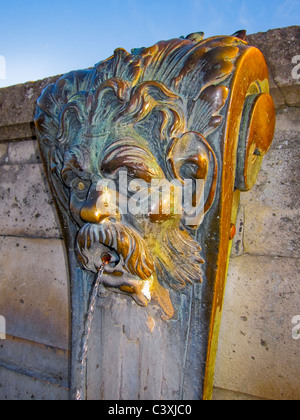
x: 127, y: 209
x: 121, y: 143
x: 137, y: 150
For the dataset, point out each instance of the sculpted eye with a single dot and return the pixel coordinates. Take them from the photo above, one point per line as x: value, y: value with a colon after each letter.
x: 80, y: 187
x: 138, y: 162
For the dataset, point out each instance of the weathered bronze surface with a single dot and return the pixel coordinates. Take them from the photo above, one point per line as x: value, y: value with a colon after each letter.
x: 147, y: 122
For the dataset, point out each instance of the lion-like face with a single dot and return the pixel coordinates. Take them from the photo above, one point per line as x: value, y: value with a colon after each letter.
x: 138, y: 224
x: 138, y: 121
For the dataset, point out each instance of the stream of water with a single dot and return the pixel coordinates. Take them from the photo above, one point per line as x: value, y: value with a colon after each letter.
x: 87, y: 333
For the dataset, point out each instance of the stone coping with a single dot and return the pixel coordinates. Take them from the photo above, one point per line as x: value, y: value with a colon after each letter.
x: 279, y: 46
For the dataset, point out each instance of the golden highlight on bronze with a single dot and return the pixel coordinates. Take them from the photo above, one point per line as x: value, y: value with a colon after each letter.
x: 122, y: 143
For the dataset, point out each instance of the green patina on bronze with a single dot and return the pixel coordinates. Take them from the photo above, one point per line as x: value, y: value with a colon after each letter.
x: 187, y: 108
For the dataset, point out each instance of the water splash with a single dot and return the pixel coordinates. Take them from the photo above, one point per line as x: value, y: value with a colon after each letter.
x: 87, y: 333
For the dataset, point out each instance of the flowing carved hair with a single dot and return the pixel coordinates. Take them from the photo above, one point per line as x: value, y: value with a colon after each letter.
x: 183, y: 81
x: 181, y: 76
x: 116, y: 102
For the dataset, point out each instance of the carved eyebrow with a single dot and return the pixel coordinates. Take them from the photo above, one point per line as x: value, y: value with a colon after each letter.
x: 140, y: 161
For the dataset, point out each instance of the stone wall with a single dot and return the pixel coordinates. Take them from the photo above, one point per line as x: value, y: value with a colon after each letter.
x: 33, y: 275
x: 257, y: 357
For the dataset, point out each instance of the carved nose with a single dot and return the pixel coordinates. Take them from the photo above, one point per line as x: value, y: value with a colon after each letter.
x: 100, y: 206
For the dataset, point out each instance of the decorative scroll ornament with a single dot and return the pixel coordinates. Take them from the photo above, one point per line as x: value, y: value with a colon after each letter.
x: 122, y: 141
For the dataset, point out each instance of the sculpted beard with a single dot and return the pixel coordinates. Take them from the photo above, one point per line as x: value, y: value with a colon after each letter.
x: 129, y: 246
x: 178, y: 261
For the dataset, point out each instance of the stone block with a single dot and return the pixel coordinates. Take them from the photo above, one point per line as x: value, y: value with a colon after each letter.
x: 34, y: 290
x: 279, y: 46
x: 278, y: 182
x: 271, y: 230
x: 257, y: 354
x: 17, y: 132
x: 15, y: 386
x: 271, y: 208
x: 17, y: 109
x: 23, y: 152
x: 37, y: 360
x: 18, y: 103
x: 278, y: 98
x: 287, y: 132
x: 26, y: 206
x: 226, y: 395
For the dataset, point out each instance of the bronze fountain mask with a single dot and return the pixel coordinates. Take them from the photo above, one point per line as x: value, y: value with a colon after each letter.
x: 122, y: 143
x: 123, y: 123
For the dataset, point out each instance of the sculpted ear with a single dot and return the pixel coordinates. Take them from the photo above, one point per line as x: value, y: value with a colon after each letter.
x: 191, y: 157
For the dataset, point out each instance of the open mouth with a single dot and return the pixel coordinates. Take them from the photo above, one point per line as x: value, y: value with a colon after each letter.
x: 126, y: 248
x: 127, y: 266
x: 99, y: 256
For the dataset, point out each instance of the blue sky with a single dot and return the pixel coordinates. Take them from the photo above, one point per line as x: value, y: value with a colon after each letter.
x: 40, y: 38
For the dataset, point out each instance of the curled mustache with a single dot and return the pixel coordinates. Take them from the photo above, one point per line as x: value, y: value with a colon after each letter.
x: 125, y: 241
